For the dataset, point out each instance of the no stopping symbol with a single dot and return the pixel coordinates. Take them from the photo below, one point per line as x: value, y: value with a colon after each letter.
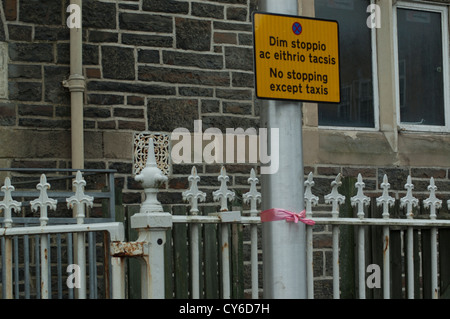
x: 297, y: 28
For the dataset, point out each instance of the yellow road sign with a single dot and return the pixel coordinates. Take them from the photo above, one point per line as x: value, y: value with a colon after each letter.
x: 296, y: 58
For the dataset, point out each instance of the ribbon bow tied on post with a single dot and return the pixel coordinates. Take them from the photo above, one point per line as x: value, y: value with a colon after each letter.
x: 273, y: 214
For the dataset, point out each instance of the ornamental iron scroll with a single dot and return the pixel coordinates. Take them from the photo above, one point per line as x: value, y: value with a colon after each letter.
x: 162, y: 153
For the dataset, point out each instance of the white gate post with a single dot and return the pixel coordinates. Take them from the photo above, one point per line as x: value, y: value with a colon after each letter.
x: 152, y: 223
x: 284, y: 245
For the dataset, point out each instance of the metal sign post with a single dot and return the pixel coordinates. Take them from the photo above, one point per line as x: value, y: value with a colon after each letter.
x: 296, y: 59
x: 284, y: 263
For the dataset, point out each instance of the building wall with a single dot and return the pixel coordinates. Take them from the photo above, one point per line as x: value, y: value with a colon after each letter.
x: 149, y: 66
x: 157, y: 65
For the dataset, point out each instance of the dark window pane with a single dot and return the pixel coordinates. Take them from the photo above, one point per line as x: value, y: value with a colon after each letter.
x: 356, y: 108
x: 420, y: 67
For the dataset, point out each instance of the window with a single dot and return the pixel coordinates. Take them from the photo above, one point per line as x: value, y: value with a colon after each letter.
x: 357, y: 107
x: 421, y: 39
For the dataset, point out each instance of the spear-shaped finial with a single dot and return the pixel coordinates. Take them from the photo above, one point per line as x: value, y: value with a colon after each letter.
x: 385, y: 200
x: 223, y: 194
x: 80, y: 198
x: 360, y: 199
x: 334, y: 197
x: 252, y: 196
x: 432, y: 201
x: 193, y: 194
x: 310, y: 199
x: 8, y: 204
x: 43, y: 201
x: 409, y: 200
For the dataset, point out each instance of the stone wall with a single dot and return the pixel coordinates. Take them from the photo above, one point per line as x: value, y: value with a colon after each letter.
x: 150, y: 65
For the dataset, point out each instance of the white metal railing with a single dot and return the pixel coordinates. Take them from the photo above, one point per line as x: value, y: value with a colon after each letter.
x: 152, y: 224
x: 385, y: 201
x: 43, y: 203
x: 193, y: 195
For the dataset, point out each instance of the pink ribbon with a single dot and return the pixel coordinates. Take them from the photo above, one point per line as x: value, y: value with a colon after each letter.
x: 273, y: 214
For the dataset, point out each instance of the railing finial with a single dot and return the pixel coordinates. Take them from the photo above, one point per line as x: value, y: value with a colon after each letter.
x: 80, y: 198
x: 252, y: 196
x: 193, y: 194
x: 43, y: 201
x: 223, y: 194
x: 310, y: 199
x: 8, y: 204
x: 334, y: 197
x: 432, y: 201
x: 360, y: 199
x: 385, y: 200
x: 409, y: 200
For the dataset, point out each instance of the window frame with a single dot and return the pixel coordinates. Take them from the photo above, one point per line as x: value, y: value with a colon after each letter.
x: 376, y: 104
x: 443, y: 10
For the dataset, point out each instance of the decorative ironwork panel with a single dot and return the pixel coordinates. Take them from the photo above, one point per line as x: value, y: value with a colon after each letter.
x: 162, y: 153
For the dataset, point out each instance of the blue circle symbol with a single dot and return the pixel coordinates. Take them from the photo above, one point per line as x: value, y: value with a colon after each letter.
x: 297, y: 28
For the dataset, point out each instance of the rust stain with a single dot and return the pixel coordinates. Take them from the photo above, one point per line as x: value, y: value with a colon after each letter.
x: 127, y: 249
x: 225, y: 246
x: 386, y: 239
x: 45, y: 254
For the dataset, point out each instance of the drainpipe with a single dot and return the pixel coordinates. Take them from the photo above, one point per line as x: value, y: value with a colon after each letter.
x: 76, y: 86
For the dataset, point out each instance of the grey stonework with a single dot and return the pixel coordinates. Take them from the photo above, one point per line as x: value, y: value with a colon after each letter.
x: 150, y: 65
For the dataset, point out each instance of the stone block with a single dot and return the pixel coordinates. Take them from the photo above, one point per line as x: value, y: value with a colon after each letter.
x: 19, y: 32
x: 241, y: 79
x: 103, y: 37
x: 237, y: 13
x: 25, y: 91
x: 118, y: 145
x: 225, y: 38
x: 129, y: 112
x: 44, y: 12
x: 183, y: 76
x: 168, y: 114
x: 24, y: 71
x: 97, y: 14
x: 207, y: 10
x: 193, y: 34
x: 150, y: 89
x: 35, y: 109
x: 167, y: 6
x: 220, y: 25
x: 20, y: 143
x: 149, y: 40
x: 44, y: 123
x: 118, y: 63
x: 10, y: 7
x: 54, y: 90
x: 7, y: 114
x: 51, y: 33
x: 145, y: 22
x: 203, y: 61
x: 195, y: 91
x: 105, y: 99
x: 31, y: 52
x: 93, y: 145
x: 239, y: 58
x: 148, y: 56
